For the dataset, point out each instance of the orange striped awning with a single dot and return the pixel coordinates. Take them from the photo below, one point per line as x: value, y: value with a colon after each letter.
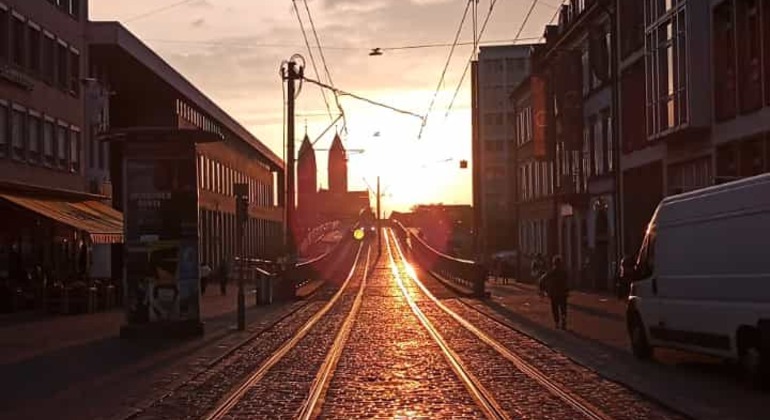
x: 103, y: 223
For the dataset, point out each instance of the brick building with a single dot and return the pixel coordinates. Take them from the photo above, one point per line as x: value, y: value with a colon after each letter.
x: 50, y: 219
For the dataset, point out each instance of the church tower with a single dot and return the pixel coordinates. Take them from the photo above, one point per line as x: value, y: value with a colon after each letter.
x: 307, y: 182
x: 338, y: 167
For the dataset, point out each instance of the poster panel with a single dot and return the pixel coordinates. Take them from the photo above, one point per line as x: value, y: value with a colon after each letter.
x: 161, y: 239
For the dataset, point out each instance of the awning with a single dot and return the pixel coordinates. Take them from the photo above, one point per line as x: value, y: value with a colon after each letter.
x: 103, y: 223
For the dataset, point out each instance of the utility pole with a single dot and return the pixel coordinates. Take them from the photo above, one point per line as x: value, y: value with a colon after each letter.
x: 290, y: 73
x: 379, y: 216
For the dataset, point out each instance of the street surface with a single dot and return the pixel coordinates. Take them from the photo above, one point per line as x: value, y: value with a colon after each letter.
x: 386, y: 340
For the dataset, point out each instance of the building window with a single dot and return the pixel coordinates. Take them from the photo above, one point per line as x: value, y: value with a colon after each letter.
x: 631, y: 26
x: 75, y: 150
x: 666, y: 60
x: 724, y: 62
x: 62, y: 148
x: 75, y: 72
x: 4, y: 34
x: 17, y: 133
x: 749, y: 55
x: 49, y: 51
x: 75, y: 8
x: 48, y: 142
x: 62, y: 68
x: 689, y: 176
x: 64, y: 5
x: 597, y: 137
x: 33, y: 138
x: 607, y: 129
x: 3, y: 130
x: 19, y: 42
x: 587, y: 73
x: 34, y: 49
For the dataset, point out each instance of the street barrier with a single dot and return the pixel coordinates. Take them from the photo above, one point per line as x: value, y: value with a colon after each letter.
x: 466, y: 273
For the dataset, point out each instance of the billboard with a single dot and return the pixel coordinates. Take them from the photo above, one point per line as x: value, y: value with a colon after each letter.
x: 161, y: 227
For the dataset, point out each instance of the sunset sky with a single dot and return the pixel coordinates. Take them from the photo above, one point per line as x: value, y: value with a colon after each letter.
x: 232, y: 50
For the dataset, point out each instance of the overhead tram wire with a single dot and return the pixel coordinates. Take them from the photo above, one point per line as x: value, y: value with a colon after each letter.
x: 473, y: 54
x: 326, y: 68
x: 446, y: 66
x: 235, y: 43
x: 526, y: 18
x: 483, y: 27
x: 361, y: 98
x: 156, y: 11
x: 312, y: 57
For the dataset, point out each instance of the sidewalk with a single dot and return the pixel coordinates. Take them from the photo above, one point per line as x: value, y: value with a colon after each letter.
x: 700, y: 386
x: 591, y: 316
x: 79, y: 366
x: 30, y: 336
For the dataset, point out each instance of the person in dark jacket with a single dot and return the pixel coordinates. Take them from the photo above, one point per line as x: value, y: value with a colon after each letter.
x: 554, y: 283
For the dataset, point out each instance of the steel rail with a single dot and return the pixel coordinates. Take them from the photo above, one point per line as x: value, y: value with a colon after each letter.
x: 481, y: 395
x: 228, y: 402
x: 587, y: 409
x: 324, y: 375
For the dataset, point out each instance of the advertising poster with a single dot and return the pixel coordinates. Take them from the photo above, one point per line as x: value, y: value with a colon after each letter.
x: 161, y: 238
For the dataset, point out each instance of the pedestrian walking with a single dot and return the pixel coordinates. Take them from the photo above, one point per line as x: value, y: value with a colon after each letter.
x: 554, y: 283
x: 538, y: 266
x: 623, y: 283
x: 224, y: 272
x: 205, y: 275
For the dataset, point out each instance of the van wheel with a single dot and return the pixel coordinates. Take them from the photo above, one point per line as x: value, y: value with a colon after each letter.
x: 753, y: 363
x: 640, y: 347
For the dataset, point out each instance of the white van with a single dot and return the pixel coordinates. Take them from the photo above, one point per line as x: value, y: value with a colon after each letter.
x: 703, y: 275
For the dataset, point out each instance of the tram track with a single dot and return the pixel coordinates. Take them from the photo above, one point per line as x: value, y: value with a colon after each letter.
x: 226, y: 404
x: 564, y: 394
x: 480, y: 394
x: 311, y: 407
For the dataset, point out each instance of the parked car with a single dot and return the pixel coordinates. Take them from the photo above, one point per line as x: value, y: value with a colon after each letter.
x: 702, y: 277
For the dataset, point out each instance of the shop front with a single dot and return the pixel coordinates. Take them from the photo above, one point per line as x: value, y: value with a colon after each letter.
x: 53, y: 244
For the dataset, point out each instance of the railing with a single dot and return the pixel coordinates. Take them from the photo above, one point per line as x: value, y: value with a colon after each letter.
x: 465, y: 273
x: 316, y: 234
x: 324, y: 266
x: 270, y: 280
x: 259, y: 277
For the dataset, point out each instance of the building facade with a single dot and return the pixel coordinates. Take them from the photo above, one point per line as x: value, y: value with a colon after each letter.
x: 705, y: 70
x: 497, y: 72
x: 576, y: 64
x: 535, y: 207
x: 121, y: 63
x: 52, y: 222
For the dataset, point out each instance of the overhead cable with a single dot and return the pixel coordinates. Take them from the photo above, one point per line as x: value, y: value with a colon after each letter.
x: 483, y: 27
x: 312, y: 57
x: 326, y: 68
x: 443, y: 72
x: 361, y: 98
x: 156, y: 11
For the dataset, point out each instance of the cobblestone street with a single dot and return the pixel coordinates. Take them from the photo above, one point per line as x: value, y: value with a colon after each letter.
x: 387, y: 339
